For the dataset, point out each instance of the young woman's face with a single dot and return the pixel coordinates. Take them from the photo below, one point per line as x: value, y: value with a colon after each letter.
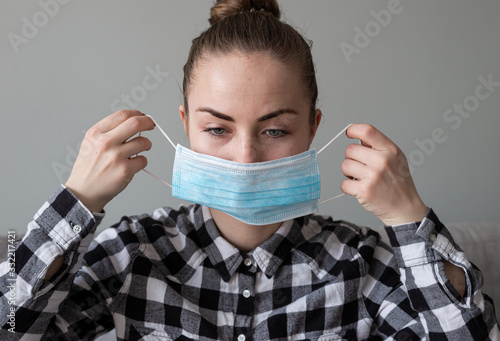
x: 248, y: 109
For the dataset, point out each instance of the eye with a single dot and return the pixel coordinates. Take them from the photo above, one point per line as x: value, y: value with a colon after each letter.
x: 276, y: 133
x: 217, y: 131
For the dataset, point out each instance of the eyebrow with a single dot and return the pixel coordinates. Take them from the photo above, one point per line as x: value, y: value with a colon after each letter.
x: 266, y: 117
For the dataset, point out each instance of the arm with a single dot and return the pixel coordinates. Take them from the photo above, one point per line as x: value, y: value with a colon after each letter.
x: 107, y: 162
x: 440, y: 289
x: 379, y: 177
x: 51, y: 234
x: 52, y: 250
x: 422, y: 251
x: 408, y: 295
x: 74, y: 303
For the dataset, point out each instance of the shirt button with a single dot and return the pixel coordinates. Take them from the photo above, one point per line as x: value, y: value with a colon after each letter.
x: 246, y: 293
x: 247, y: 261
x: 241, y: 337
x: 432, y: 238
x: 77, y: 228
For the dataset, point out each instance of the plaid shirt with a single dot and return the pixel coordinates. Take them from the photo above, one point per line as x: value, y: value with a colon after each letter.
x: 171, y: 276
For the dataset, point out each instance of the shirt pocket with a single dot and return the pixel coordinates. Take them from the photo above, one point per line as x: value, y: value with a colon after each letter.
x: 147, y: 334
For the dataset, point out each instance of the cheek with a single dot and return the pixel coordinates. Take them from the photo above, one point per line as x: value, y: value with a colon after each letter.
x: 193, y: 138
x: 225, y: 152
x: 299, y: 147
x: 289, y: 148
x: 301, y: 142
x: 202, y: 143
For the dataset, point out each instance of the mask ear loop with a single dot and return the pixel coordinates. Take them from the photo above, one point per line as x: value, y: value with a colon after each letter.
x: 336, y: 136
x: 169, y: 140
x: 163, y: 132
x: 157, y: 178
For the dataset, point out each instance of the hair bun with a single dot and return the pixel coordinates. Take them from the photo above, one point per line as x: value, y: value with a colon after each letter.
x: 226, y: 8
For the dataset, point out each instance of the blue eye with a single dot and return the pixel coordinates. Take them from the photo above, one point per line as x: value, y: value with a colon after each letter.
x: 217, y: 131
x: 276, y: 133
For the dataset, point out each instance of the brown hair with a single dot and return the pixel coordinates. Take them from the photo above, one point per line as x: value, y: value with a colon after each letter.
x: 252, y: 26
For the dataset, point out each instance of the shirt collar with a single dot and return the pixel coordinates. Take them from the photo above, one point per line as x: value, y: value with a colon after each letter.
x: 271, y: 254
x: 226, y: 258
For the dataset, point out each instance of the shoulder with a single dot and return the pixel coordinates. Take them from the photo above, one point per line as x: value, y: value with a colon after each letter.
x: 119, y: 243
x: 336, y: 233
x: 332, y: 243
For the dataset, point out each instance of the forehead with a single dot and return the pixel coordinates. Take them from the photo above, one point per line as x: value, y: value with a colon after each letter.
x: 241, y: 78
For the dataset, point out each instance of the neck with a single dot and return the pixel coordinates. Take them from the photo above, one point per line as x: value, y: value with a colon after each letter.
x: 243, y: 236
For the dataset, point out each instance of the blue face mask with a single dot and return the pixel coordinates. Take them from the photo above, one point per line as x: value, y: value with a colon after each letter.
x: 258, y: 193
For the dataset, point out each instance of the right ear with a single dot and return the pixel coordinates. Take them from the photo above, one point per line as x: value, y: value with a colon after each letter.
x: 184, y: 118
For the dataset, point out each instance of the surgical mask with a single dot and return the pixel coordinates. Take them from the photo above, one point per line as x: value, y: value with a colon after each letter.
x: 258, y: 193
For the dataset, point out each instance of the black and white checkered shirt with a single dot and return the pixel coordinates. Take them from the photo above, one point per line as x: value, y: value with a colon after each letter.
x: 171, y: 276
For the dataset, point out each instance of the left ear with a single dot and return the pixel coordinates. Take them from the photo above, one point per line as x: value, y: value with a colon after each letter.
x: 314, y: 128
x: 184, y: 118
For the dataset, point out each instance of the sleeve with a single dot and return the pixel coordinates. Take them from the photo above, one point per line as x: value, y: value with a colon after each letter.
x: 423, y: 304
x: 31, y: 308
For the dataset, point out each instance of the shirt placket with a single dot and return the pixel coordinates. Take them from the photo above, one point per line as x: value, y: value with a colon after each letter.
x: 246, y: 300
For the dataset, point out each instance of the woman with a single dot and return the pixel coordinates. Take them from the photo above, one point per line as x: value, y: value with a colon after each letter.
x: 200, y: 273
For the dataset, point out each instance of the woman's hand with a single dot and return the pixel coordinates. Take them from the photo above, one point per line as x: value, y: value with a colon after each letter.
x: 379, y: 177
x: 106, y: 164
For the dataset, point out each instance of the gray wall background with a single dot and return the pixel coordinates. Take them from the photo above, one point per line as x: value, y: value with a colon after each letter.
x: 66, y: 72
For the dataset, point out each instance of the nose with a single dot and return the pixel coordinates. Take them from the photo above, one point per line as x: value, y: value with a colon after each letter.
x: 247, y: 151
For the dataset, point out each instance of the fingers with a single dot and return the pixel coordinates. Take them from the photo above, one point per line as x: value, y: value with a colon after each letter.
x: 365, y: 156
x: 135, y: 146
x: 130, y: 127
x: 350, y: 187
x: 369, y: 136
x: 354, y: 169
x: 137, y: 163
x: 114, y: 120
x: 357, y: 152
